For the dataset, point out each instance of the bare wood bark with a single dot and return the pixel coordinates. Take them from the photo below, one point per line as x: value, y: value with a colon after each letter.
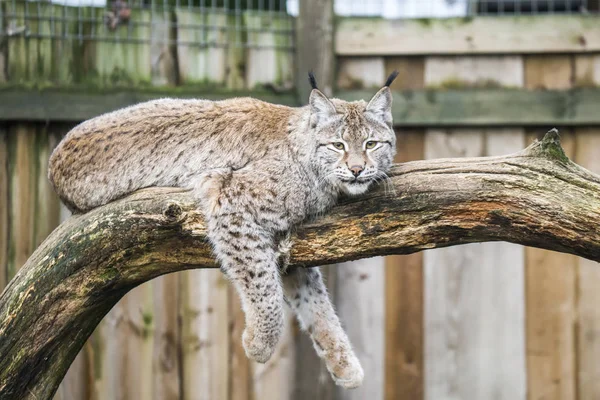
x: 536, y: 197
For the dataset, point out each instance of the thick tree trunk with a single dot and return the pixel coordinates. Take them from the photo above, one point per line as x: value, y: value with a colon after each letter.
x: 537, y: 197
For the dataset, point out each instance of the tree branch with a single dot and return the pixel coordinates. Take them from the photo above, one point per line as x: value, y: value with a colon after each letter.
x: 537, y: 197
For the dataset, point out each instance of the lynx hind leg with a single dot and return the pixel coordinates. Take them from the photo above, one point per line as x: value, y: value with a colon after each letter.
x: 248, y: 258
x: 306, y: 294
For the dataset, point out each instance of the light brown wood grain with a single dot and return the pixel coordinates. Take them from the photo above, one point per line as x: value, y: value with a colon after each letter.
x: 410, y: 72
x: 205, y: 335
x: 166, y: 367
x: 471, y: 36
x: 551, y: 297
x: 548, y: 71
x: 404, y: 304
x: 588, y: 295
x: 22, y: 191
x: 586, y: 70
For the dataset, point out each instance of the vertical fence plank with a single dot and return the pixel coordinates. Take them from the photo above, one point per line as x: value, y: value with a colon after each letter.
x: 162, y: 52
x: 166, y: 370
x: 122, y: 61
x: 551, y: 277
x: 314, y: 46
x: 198, y: 61
x: 587, y: 70
x: 474, y: 304
x: 205, y: 341
x: 361, y: 308
x: 125, y: 347
x: 47, y: 208
x: 4, y: 201
x: 22, y: 189
x: 548, y: 71
x: 404, y: 304
x: 474, y: 344
x: 268, y: 61
x: 588, y: 333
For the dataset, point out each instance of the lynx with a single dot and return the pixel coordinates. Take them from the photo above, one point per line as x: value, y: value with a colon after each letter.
x: 257, y: 170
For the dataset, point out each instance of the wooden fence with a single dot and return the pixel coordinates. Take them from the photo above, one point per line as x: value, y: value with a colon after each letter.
x: 481, y: 321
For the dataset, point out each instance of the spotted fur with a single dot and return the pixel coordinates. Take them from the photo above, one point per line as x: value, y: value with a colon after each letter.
x: 257, y: 170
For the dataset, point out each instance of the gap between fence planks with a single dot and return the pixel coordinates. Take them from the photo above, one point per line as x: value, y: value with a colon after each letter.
x: 536, y: 197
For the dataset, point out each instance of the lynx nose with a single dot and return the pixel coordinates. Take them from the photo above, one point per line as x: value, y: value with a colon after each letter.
x: 356, y: 170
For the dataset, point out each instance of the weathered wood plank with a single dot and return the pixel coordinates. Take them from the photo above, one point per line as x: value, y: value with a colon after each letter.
x: 198, y: 59
x: 587, y: 70
x: 361, y: 308
x: 58, y: 105
x: 163, y: 50
x: 360, y: 73
x: 474, y: 317
x: 269, y: 55
x: 22, y: 175
x: 473, y: 303
x: 166, y: 371
x: 121, y: 60
x: 47, y: 207
x: 491, y: 107
x: 404, y: 304
x: 411, y: 72
x: 4, y: 204
x: 205, y: 340
x: 489, y: 35
x: 588, y: 321
x: 314, y: 46
x: 548, y: 71
x: 468, y: 71
x: 551, y: 278
x: 551, y: 316
x: 126, y: 334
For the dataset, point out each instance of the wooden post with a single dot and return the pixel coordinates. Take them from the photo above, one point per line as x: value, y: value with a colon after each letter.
x: 314, y: 46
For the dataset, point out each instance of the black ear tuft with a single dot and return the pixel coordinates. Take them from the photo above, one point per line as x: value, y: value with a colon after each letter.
x: 391, y: 78
x: 312, y: 80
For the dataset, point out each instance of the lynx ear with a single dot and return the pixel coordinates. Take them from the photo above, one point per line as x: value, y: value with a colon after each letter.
x: 320, y: 105
x: 381, y: 105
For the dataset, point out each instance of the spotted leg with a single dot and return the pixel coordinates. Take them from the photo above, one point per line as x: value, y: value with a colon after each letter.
x: 306, y: 294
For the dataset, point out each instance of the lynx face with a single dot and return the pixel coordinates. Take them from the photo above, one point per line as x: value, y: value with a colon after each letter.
x: 356, y: 142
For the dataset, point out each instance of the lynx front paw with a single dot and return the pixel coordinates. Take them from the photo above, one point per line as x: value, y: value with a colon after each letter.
x: 347, y: 372
x: 259, y: 348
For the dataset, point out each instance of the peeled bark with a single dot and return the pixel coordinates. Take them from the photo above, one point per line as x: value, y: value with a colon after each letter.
x: 536, y: 197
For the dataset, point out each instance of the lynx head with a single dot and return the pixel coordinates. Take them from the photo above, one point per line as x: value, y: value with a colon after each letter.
x: 356, y: 140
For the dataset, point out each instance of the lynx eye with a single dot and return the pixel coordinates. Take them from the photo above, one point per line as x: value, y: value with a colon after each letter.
x: 371, y: 144
x: 338, y: 145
